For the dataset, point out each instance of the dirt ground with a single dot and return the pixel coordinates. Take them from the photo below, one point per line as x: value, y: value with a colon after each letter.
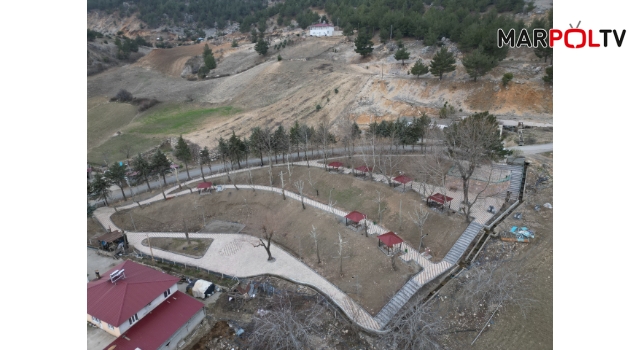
x: 368, y: 275
x: 94, y: 228
x: 354, y: 193
x: 512, y: 327
x: 196, y: 248
x: 273, y: 92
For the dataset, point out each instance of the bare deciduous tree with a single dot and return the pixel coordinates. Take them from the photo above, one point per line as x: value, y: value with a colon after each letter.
x: 419, y: 217
x: 473, y: 141
x: 282, y: 183
x: 186, y: 230
x: 341, y: 251
x: 286, y: 326
x: 300, y: 186
x: 314, y: 235
x: 379, y: 200
x: 313, y: 184
x: 266, y: 235
x: 417, y: 326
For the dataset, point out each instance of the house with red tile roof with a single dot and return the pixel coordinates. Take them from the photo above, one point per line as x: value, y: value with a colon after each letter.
x: 142, y: 307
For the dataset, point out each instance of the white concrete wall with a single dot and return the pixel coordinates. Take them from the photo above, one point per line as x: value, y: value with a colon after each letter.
x: 322, y: 31
x: 184, y: 331
x: 145, y: 310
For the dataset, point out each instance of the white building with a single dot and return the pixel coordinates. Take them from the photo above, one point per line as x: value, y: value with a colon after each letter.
x: 321, y: 29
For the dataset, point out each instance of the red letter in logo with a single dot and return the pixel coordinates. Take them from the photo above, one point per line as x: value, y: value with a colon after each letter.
x: 591, y: 44
x: 553, y: 37
x: 575, y: 30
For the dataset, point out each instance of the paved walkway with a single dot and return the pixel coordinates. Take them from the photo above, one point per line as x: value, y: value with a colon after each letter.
x: 235, y: 254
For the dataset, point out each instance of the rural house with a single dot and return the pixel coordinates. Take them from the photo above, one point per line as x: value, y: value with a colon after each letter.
x: 321, y: 29
x: 142, y: 307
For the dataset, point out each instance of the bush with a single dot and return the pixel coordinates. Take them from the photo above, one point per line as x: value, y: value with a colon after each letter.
x: 202, y: 72
x: 123, y: 96
x: 234, y: 43
x: 279, y: 58
x: 335, y: 90
x: 318, y: 107
x: 506, y: 78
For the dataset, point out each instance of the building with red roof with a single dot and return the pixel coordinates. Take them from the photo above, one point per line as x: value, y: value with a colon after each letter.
x: 164, y: 327
x: 321, y: 29
x: 127, y: 298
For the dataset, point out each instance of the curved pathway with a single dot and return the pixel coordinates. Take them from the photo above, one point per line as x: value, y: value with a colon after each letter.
x: 234, y: 254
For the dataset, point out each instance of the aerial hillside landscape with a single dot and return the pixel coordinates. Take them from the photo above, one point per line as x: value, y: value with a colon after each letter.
x: 229, y: 141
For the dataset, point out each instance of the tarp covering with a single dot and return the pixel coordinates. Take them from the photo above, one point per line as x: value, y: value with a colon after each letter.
x: 390, y: 239
x: 440, y: 198
x: 200, y: 288
x: 110, y: 236
x: 335, y: 164
x: 402, y: 179
x: 355, y: 216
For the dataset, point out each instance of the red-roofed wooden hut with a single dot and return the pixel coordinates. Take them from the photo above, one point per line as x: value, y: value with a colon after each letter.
x: 204, y: 186
x: 364, y: 169
x: 403, y: 180
x: 354, y: 216
x: 439, y: 198
x: 389, y: 240
x: 335, y: 165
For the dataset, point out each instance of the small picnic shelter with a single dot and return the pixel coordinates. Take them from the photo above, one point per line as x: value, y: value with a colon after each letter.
x: 440, y: 200
x: 335, y: 165
x: 110, y: 241
x: 364, y: 169
x: 404, y: 180
x: 389, y: 240
x: 354, y: 216
x: 204, y: 187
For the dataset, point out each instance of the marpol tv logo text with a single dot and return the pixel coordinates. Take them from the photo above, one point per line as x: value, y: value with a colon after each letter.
x: 579, y: 38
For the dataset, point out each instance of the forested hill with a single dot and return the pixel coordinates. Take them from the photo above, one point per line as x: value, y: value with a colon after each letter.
x: 416, y: 18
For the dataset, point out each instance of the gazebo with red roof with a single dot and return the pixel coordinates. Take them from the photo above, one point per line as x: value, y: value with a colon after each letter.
x: 335, y: 165
x: 389, y: 240
x: 354, y: 216
x: 364, y: 169
x: 440, y: 199
x: 204, y: 186
x: 403, y: 179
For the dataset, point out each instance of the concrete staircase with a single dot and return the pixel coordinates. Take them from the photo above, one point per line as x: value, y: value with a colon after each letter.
x: 397, y: 302
x: 461, y: 245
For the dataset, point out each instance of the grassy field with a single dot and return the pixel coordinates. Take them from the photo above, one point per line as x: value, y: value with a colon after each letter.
x: 178, y: 119
x: 140, y: 130
x: 106, y: 118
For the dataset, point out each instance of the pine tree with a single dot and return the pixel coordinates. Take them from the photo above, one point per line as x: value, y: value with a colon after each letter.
x: 401, y: 55
x: 549, y: 77
x: 210, y: 62
x: 100, y: 188
x: 442, y: 62
x: 183, y: 153
x: 477, y: 64
x: 117, y: 175
x: 261, y: 47
x: 205, y: 158
x: 364, y: 45
x: 419, y: 68
x: 143, y: 168
x: 160, y: 164
x: 207, y: 51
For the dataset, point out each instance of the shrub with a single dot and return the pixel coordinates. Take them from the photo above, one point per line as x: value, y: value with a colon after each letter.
x: 335, y: 90
x: 318, y: 107
x: 234, y: 43
x: 279, y: 58
x: 123, y: 96
x: 506, y: 78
